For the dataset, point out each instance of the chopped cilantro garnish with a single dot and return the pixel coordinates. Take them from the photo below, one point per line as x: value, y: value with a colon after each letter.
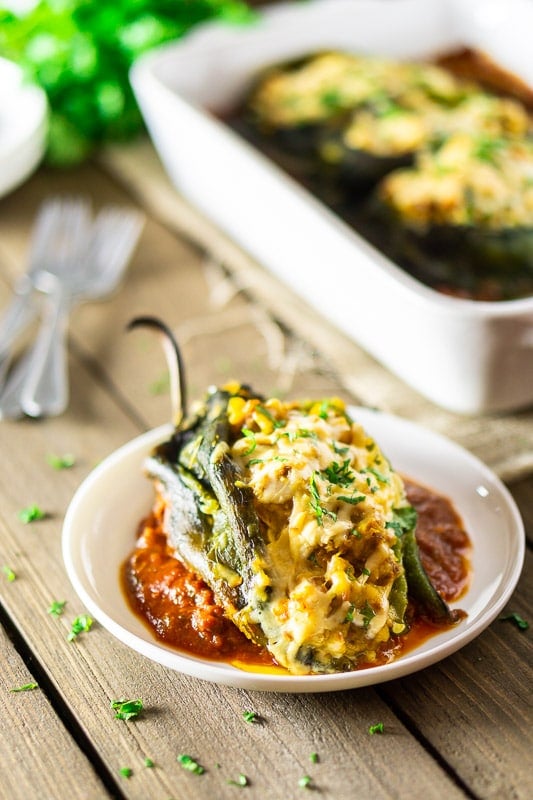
x: 368, y: 614
x: 61, y: 462
x: 148, y: 763
x: 365, y: 571
x: 377, y: 728
x: 277, y: 423
x: 353, y: 500
x: 378, y: 475
x: 253, y: 443
x: 31, y: 514
x: 57, y: 607
x: 26, y: 687
x: 81, y: 624
x: 331, y: 99
x: 304, y: 782
x: 253, y: 461
x: 340, y: 450
x: 520, y: 623
x: 349, y: 614
x: 126, y: 772
x: 313, y: 758
x: 8, y: 572
x: 403, y: 520
x: 188, y: 763
x: 242, y: 780
x: 315, y: 503
x: 127, y: 709
x: 250, y: 716
x: 339, y: 474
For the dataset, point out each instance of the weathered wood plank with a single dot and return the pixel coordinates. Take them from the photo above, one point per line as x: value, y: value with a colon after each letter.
x: 38, y: 754
x: 476, y: 708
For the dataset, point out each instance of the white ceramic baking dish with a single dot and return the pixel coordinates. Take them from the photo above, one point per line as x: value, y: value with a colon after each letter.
x: 467, y: 356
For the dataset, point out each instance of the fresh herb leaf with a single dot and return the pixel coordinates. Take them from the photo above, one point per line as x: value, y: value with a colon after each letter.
x: 520, y: 623
x: 304, y: 782
x: 81, y: 624
x: 31, y: 514
x: 403, y: 520
x: 368, y: 614
x: 242, y: 780
x: 148, y: 763
x: 61, y: 462
x: 313, y: 758
x: 250, y: 435
x: 81, y: 51
x: 127, y: 709
x: 188, y: 763
x: 250, y: 716
x: 277, y: 423
x: 339, y: 474
x: 26, y: 687
x: 349, y: 614
x: 161, y: 385
x: 126, y: 772
x: 315, y: 501
x: 8, y: 572
x: 377, y: 728
x: 57, y: 607
x: 353, y: 500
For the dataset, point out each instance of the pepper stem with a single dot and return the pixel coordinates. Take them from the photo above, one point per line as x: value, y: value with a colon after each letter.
x: 176, y: 369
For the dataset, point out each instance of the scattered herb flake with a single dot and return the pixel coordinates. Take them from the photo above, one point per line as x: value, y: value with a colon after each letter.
x: 349, y: 614
x: 148, y: 763
x: 520, y: 623
x: 188, y: 763
x: 277, y: 423
x: 242, y: 780
x: 126, y: 772
x: 377, y: 728
x: 304, y: 782
x: 313, y: 758
x: 61, y: 462
x: 339, y: 474
x: 250, y: 435
x: 161, y: 385
x: 8, y: 572
x: 26, y: 687
x: 353, y: 500
x: 31, y: 514
x: 250, y: 716
x: 368, y: 614
x: 57, y: 607
x: 127, y: 709
x: 81, y: 624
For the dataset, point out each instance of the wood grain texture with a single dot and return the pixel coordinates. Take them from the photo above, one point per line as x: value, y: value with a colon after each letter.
x: 39, y: 758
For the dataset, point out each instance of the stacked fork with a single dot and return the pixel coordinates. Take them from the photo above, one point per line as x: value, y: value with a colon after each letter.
x: 73, y: 258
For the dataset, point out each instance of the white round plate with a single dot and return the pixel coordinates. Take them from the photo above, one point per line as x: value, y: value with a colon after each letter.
x: 23, y: 126
x: 102, y: 519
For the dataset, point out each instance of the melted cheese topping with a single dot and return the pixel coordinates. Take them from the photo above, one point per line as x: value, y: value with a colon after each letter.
x: 330, y: 82
x: 325, y: 494
x: 469, y: 180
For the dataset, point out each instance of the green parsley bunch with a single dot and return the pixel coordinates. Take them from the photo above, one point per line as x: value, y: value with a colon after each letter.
x: 80, y: 52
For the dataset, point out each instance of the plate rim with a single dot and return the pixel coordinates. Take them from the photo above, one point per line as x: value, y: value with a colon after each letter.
x: 225, y: 673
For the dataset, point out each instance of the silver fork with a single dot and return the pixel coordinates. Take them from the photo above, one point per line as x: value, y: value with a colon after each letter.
x: 45, y: 391
x: 57, y: 239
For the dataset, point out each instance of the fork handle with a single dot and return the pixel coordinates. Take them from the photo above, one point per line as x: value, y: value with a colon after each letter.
x: 21, y: 311
x: 45, y: 392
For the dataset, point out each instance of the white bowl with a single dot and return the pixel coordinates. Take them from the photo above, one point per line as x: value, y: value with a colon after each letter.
x: 467, y: 356
x: 117, y: 495
x: 23, y: 126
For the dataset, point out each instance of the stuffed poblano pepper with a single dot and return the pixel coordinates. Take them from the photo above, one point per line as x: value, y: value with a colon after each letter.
x: 463, y: 215
x: 293, y: 516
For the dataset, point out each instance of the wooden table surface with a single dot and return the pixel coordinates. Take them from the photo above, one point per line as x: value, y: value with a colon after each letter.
x: 459, y: 729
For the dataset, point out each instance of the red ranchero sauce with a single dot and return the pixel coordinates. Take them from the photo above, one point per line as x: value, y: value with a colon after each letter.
x: 181, y: 610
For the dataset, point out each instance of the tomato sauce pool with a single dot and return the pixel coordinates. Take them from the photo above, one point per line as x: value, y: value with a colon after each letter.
x: 181, y: 611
